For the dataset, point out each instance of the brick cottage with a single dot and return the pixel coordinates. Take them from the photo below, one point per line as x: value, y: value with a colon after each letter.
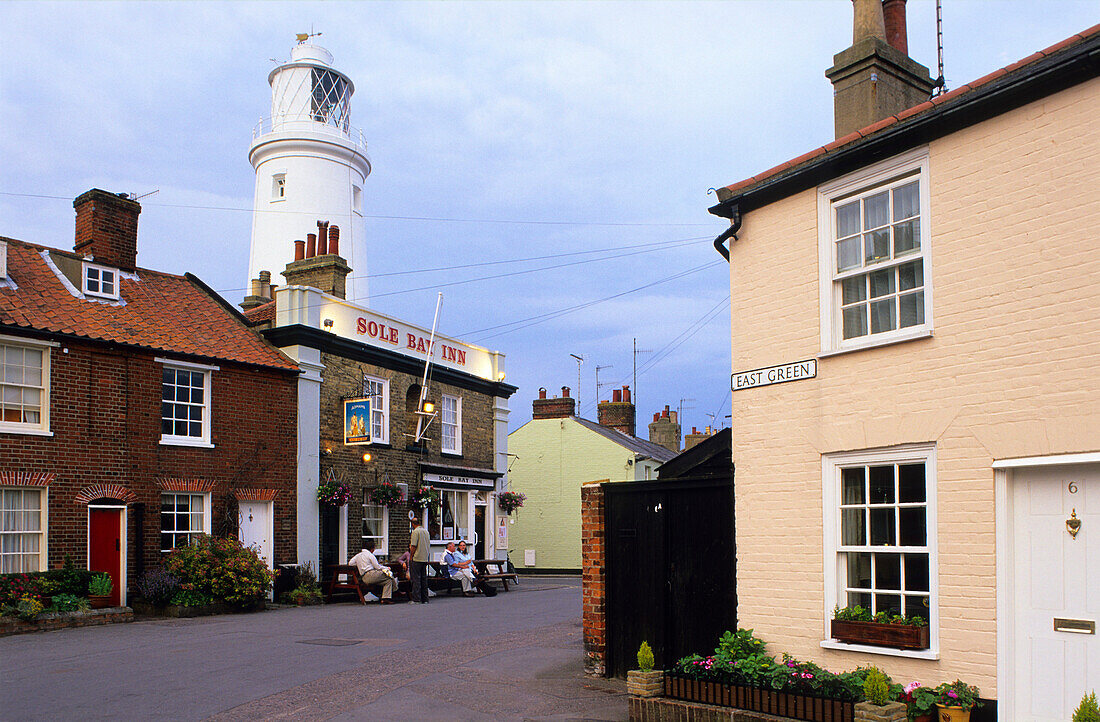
x: 136, y: 409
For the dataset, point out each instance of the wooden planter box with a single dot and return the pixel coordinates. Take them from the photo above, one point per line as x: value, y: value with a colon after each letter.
x: 902, y: 636
x: 754, y: 699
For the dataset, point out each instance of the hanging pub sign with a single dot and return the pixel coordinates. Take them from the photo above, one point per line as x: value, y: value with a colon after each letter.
x: 357, y: 421
x: 774, y: 375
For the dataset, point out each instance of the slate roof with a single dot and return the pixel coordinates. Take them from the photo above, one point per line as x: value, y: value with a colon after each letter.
x: 632, y: 443
x: 157, y: 311
x: 939, y: 105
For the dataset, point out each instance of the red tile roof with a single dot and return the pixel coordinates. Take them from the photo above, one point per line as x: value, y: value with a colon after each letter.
x: 160, y: 311
x: 939, y: 100
x: 261, y: 314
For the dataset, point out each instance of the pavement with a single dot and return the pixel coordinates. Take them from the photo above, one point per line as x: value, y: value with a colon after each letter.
x: 516, y: 656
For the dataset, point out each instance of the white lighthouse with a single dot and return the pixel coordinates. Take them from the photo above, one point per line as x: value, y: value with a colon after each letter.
x: 310, y: 164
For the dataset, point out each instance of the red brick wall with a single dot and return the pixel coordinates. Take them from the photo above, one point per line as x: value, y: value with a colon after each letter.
x: 105, y: 418
x: 593, y: 580
x: 106, y: 227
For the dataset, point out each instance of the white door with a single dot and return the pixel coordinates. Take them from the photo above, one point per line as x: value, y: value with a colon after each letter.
x: 1056, y: 590
x: 256, y: 528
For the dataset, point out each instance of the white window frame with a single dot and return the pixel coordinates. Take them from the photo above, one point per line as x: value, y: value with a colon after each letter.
x: 278, y: 186
x: 99, y: 271
x: 467, y: 523
x: 835, y: 582
x: 202, y: 441
x: 42, y: 428
x: 43, y: 526
x: 382, y: 545
x: 913, y: 164
x: 456, y: 446
x: 379, y: 408
x: 205, y: 515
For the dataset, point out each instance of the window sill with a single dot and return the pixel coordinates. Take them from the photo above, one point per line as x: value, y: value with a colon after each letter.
x: 25, y: 431
x: 195, y: 443
x: 452, y: 454
x: 902, y: 338
x: 929, y: 654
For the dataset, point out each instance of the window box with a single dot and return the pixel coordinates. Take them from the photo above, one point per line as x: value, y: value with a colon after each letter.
x: 902, y: 636
x: 756, y: 699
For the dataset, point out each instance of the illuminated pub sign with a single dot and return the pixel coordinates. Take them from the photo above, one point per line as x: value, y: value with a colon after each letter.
x: 357, y: 421
x: 375, y: 329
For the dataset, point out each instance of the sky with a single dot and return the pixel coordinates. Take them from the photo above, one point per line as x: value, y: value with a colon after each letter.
x: 554, y: 160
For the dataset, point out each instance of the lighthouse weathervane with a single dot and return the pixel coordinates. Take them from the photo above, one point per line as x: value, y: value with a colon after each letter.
x: 311, y: 165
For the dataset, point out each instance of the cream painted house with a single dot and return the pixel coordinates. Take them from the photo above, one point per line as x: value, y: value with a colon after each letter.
x: 916, y: 400
x: 552, y: 456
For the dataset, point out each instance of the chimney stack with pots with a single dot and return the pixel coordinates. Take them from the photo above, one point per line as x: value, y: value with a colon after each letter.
x: 617, y: 413
x: 665, y: 430
x: 261, y: 291
x: 876, y: 78
x: 106, y: 228
x: 317, y: 262
x: 555, y: 408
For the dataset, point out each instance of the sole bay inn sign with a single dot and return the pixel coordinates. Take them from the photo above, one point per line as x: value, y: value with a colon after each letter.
x: 774, y: 375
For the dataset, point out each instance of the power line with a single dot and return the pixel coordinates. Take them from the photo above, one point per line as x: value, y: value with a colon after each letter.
x: 430, y: 219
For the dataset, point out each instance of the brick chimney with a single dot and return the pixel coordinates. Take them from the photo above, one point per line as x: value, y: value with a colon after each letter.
x: 618, y: 413
x: 665, y: 430
x: 314, y: 266
x: 555, y: 408
x: 261, y: 292
x: 106, y: 228
x: 876, y: 78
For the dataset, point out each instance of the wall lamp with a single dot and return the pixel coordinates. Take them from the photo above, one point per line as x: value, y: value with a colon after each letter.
x: 327, y: 451
x: 328, y: 323
x: 367, y: 457
x: 429, y: 407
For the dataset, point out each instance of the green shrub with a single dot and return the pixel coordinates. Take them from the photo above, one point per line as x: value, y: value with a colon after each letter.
x: 101, y: 585
x: 69, y: 603
x: 1088, y: 710
x: 28, y: 608
x: 737, y: 645
x: 645, y: 657
x: 220, y: 569
x: 14, y: 587
x: 876, y: 688
x: 191, y: 598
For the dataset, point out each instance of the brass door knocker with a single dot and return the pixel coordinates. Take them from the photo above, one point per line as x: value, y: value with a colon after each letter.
x: 1073, y: 524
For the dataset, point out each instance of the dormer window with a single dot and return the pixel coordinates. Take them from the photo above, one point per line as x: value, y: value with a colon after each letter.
x: 100, y: 281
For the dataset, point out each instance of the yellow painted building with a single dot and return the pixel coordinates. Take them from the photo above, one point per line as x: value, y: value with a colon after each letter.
x: 553, y: 455
x: 915, y: 334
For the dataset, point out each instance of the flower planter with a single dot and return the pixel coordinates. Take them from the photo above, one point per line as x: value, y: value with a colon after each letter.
x: 952, y: 714
x: 902, y: 636
x: 754, y: 699
x: 645, y: 684
x: 99, y: 601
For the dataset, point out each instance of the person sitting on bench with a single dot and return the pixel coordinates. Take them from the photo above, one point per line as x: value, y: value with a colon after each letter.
x: 372, y: 573
x: 460, y: 567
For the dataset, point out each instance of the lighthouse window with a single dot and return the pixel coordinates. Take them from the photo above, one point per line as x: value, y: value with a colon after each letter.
x: 278, y: 186
x: 330, y: 99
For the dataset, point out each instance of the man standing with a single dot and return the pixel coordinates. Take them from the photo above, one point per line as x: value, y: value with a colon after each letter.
x: 419, y: 548
x: 371, y: 572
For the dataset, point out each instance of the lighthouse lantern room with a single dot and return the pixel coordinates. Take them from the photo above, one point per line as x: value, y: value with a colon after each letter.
x: 311, y: 165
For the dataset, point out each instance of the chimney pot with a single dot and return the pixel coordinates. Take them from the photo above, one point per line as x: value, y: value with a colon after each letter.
x: 656, y: 415
x: 265, y: 276
x: 626, y: 394
x: 868, y: 20
x: 664, y: 414
x: 322, y: 238
x: 565, y: 392
x: 542, y: 393
x: 334, y: 240
x: 893, y: 12
x: 311, y: 245
x: 257, y: 287
x: 299, y: 250
x: 616, y: 396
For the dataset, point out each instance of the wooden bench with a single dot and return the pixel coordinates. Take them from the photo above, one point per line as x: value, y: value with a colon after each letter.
x: 485, y: 575
x: 345, y: 576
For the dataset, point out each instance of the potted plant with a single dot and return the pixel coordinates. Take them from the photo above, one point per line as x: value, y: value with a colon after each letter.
x: 1088, y: 710
x: 386, y: 494
x: 334, y: 493
x: 99, y: 590
x: 879, y: 698
x: 423, y: 498
x: 645, y: 681
x: 856, y: 625
x: 920, y: 701
x: 511, y: 500
x: 954, y: 700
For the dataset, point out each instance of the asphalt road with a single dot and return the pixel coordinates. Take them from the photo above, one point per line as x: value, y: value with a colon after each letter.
x: 517, y: 656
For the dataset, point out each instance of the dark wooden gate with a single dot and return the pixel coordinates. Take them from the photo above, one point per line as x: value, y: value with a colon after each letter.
x: 670, y: 568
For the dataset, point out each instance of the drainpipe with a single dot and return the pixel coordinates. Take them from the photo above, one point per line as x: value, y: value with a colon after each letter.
x: 731, y: 232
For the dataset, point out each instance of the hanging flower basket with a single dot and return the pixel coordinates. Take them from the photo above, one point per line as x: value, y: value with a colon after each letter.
x: 386, y: 494
x: 333, y: 493
x: 423, y: 498
x: 511, y: 500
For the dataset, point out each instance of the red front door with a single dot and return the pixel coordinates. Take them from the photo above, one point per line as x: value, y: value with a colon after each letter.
x: 105, y: 547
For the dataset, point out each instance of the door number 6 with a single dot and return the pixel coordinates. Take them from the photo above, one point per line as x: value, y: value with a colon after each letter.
x: 1072, y: 488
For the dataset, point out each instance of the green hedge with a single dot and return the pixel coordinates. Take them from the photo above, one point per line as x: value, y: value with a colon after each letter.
x: 14, y: 587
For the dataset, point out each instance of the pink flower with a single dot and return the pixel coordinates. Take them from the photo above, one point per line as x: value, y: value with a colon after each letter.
x: 952, y: 695
x: 911, y: 686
